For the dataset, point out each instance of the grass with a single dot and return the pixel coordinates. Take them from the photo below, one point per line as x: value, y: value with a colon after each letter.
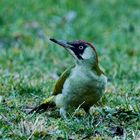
x: 30, y: 65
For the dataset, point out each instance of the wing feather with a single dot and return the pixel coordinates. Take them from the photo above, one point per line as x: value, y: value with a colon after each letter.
x: 60, y: 82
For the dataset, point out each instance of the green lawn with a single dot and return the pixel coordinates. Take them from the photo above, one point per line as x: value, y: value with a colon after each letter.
x: 30, y: 64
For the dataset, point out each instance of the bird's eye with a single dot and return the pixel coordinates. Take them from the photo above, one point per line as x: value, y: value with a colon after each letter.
x: 81, y: 47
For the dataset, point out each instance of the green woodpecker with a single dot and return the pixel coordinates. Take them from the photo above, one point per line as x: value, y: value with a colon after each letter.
x: 81, y: 85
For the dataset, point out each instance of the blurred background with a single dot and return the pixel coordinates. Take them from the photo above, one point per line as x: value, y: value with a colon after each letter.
x: 113, y: 26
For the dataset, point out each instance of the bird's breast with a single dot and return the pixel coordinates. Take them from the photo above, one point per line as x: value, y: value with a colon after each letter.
x: 84, y: 84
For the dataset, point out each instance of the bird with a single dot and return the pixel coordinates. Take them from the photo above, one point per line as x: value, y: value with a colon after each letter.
x: 83, y: 84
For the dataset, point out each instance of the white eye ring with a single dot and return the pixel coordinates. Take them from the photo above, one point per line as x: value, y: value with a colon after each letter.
x: 81, y: 47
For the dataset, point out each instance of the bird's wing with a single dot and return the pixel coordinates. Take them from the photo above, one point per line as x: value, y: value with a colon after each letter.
x: 60, y: 82
x: 48, y: 103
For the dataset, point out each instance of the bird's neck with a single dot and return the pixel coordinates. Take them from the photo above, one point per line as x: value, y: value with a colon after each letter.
x: 90, y: 66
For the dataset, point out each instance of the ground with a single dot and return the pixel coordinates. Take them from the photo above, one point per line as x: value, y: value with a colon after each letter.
x: 30, y: 65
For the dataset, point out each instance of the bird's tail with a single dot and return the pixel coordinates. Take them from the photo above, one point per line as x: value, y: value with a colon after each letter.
x: 47, y: 104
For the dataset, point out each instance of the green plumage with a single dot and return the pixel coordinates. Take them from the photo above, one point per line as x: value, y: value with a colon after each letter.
x: 82, y: 84
x: 60, y: 82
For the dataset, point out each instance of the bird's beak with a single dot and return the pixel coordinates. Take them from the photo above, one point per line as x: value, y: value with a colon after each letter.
x: 66, y: 45
x: 61, y: 43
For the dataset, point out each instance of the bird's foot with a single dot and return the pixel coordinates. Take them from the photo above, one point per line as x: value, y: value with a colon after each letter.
x: 63, y: 113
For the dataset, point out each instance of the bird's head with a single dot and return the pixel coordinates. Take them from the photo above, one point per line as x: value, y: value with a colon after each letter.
x: 82, y: 51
